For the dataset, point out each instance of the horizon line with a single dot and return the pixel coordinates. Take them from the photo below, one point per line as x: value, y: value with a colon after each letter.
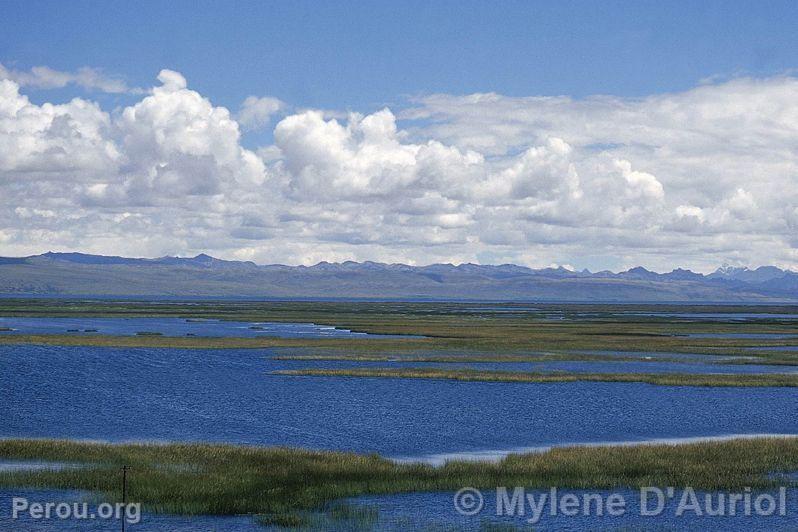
x: 554, y: 266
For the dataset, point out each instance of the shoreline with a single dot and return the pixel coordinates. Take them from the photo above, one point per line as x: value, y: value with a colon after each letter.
x: 203, y: 479
x: 487, y: 456
x: 497, y: 455
x: 715, y: 380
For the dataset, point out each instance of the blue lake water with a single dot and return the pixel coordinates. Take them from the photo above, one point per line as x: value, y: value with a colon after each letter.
x: 423, y: 511
x: 174, y: 327
x: 123, y: 394
x: 436, y: 511
x: 149, y: 394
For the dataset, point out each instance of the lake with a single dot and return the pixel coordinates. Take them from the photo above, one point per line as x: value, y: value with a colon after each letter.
x: 149, y: 394
x: 436, y: 511
x: 175, y: 327
x: 230, y: 395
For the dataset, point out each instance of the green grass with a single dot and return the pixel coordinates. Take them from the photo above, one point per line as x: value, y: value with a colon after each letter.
x: 661, y: 379
x: 451, y: 329
x: 279, y: 483
x: 459, y: 359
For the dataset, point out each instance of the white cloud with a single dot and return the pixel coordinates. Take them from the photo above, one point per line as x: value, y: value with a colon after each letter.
x: 544, y: 172
x: 256, y: 113
x: 70, y: 138
x: 363, y: 158
x: 178, y: 144
x: 641, y: 184
x: 42, y: 77
x: 690, y: 211
x: 742, y: 203
x: 690, y: 179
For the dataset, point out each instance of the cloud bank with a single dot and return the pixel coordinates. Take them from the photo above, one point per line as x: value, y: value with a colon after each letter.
x: 692, y: 179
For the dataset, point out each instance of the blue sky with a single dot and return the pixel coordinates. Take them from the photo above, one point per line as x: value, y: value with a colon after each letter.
x: 363, y: 55
x: 588, y: 134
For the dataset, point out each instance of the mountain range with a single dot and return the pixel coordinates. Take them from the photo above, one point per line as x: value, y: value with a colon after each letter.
x: 72, y: 274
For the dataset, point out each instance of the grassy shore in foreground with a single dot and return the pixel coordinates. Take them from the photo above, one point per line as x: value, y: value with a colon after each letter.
x: 662, y: 379
x: 280, y: 483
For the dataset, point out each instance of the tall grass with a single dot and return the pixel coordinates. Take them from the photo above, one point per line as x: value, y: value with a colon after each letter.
x: 278, y: 482
x: 661, y: 379
x: 449, y: 328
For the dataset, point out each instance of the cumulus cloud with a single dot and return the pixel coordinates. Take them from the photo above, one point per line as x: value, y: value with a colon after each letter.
x: 42, y: 77
x: 171, y: 162
x: 545, y: 172
x: 641, y: 184
x: 690, y: 179
x: 256, y: 113
x: 711, y: 168
x: 178, y: 144
x: 70, y: 138
x: 365, y: 157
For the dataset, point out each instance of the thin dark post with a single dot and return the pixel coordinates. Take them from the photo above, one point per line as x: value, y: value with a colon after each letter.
x: 124, y: 496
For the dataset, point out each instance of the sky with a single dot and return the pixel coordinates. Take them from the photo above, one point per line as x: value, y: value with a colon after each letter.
x: 600, y: 135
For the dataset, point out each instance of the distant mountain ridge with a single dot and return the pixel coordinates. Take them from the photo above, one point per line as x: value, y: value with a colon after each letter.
x: 203, y: 275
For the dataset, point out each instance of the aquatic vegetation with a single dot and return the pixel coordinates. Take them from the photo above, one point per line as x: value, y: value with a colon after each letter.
x: 288, y: 487
x: 459, y: 359
x: 281, y: 484
x: 662, y: 379
x: 450, y: 329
